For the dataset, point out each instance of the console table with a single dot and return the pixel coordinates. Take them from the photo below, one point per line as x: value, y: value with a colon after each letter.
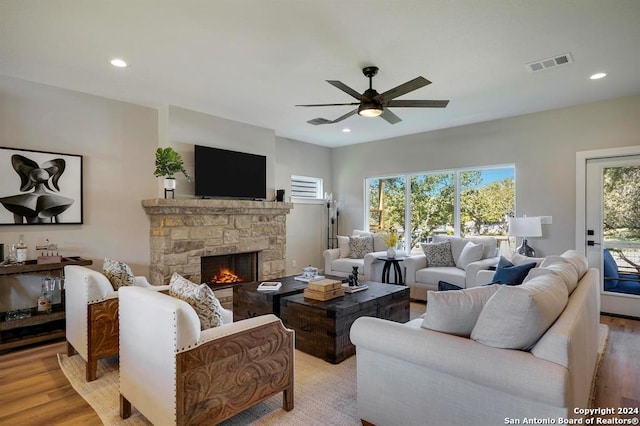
x: 38, y: 327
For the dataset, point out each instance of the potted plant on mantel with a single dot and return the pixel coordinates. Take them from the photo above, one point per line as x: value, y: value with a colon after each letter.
x: 168, y: 163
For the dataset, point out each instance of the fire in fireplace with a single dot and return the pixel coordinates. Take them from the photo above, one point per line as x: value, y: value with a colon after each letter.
x: 229, y: 268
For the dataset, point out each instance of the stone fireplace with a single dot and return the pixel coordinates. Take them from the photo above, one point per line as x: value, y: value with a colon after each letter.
x: 182, y: 231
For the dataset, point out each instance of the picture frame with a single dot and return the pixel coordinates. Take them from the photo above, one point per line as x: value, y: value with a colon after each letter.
x: 40, y: 187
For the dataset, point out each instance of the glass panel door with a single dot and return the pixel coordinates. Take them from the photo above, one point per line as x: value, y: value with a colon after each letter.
x: 613, y: 231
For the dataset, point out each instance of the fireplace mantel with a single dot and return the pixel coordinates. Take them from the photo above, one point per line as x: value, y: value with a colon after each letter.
x: 183, y: 230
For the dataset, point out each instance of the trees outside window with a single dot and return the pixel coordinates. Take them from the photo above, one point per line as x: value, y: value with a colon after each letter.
x: 460, y: 202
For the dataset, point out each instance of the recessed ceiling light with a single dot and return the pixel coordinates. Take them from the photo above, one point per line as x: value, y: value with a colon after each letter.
x: 117, y: 62
x: 598, y: 76
x: 346, y: 130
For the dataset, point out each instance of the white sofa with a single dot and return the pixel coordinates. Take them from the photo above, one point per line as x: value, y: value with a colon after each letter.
x: 339, y: 263
x: 421, y: 278
x: 409, y: 375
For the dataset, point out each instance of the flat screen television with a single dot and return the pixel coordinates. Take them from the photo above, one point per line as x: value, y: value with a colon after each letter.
x: 229, y: 174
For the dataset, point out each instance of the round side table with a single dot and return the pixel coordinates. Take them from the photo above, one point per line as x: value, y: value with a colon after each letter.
x: 397, y: 271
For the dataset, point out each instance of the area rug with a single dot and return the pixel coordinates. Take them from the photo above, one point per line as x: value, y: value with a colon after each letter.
x: 603, y: 344
x: 324, y: 394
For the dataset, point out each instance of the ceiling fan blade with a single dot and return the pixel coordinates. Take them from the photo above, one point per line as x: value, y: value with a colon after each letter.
x: 317, y: 121
x: 417, y: 104
x: 390, y: 117
x: 340, y: 85
x: 403, y: 89
x: 321, y: 105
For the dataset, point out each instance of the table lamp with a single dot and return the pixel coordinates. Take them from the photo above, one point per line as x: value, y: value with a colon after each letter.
x: 525, y: 227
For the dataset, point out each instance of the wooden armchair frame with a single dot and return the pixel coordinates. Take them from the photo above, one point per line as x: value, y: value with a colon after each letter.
x: 225, y: 376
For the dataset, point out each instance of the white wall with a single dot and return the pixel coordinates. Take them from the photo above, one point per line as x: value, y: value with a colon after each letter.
x: 541, y: 145
x: 307, y: 223
x: 188, y: 128
x: 117, y: 141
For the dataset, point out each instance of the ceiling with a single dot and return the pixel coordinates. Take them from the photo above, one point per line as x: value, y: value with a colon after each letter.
x: 253, y: 60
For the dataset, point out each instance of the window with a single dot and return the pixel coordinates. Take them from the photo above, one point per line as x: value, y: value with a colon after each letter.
x: 305, y: 187
x: 464, y: 202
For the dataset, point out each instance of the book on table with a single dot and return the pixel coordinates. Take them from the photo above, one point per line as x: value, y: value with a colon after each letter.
x: 269, y: 286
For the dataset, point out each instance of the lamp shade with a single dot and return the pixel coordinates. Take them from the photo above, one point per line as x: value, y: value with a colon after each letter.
x: 525, y: 227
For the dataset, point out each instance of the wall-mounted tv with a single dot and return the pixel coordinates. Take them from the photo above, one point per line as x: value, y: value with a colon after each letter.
x: 223, y: 173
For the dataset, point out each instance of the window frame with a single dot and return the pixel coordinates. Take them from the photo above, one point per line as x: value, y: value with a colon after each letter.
x: 457, y: 192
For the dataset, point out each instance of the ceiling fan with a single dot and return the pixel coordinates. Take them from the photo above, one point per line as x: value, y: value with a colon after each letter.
x: 374, y: 104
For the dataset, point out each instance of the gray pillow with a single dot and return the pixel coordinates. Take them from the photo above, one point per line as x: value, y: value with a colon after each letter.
x: 456, y: 312
x: 470, y: 253
x: 517, y: 316
x: 118, y: 273
x: 359, y: 246
x: 438, y: 254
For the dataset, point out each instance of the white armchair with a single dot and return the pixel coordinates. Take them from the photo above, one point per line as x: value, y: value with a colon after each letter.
x: 338, y: 262
x: 91, y: 311
x: 174, y: 373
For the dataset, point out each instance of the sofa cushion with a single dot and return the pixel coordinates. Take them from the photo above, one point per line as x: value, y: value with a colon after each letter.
x: 343, y: 245
x: 456, y: 312
x: 470, y: 253
x: 433, y: 275
x: 359, y: 246
x: 200, y: 297
x: 510, y: 274
x: 346, y: 265
x: 438, y: 254
x: 118, y: 273
x: 515, y: 317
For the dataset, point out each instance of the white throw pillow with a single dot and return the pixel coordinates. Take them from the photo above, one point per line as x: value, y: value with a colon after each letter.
x: 456, y: 312
x: 200, y: 297
x: 517, y: 316
x: 518, y: 259
x: 578, y: 260
x: 470, y: 253
x: 343, y: 246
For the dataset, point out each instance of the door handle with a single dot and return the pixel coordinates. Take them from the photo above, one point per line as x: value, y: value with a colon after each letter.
x: 592, y: 243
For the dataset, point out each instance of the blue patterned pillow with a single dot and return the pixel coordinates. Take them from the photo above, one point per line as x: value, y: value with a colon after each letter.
x: 510, y: 274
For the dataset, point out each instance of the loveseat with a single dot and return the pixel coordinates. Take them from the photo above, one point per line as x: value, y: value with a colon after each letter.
x: 340, y: 261
x: 408, y: 374
x: 421, y: 277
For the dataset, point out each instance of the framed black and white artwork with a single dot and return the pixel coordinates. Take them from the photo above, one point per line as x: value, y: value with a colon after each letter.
x: 38, y: 188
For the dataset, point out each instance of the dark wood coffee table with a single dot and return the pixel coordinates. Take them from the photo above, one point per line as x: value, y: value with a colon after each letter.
x: 322, y: 328
x: 248, y: 302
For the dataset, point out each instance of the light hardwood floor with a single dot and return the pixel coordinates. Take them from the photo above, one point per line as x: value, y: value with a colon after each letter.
x: 34, y: 391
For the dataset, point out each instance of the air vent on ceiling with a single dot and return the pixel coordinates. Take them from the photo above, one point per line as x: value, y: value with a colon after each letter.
x: 543, y: 64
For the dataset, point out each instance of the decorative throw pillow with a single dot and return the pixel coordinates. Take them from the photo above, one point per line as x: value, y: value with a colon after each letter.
x: 343, y: 245
x: 359, y: 246
x: 510, y: 274
x: 456, y: 312
x: 438, y: 254
x: 470, y: 253
x: 515, y: 317
x: 118, y: 273
x: 200, y: 297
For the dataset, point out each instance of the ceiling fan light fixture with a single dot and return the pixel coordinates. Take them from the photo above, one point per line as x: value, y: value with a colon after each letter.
x: 369, y: 109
